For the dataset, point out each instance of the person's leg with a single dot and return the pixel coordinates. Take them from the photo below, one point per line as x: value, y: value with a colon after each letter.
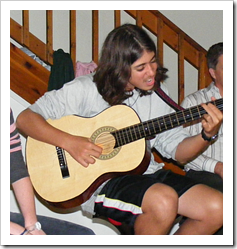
x: 203, y: 207
x: 159, y: 207
x: 139, y: 201
x: 52, y: 226
x: 207, y: 178
x: 17, y: 218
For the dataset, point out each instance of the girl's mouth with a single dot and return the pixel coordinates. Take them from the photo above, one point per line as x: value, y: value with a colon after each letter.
x: 150, y: 82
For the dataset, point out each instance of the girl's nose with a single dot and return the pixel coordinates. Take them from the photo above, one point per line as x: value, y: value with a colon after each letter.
x: 151, y: 69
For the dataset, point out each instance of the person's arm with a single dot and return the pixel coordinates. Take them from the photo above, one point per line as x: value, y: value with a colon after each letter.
x: 192, y: 147
x: 219, y: 169
x: 205, y: 163
x: 25, y: 197
x: 16, y: 229
x: 80, y: 148
x: 20, y: 180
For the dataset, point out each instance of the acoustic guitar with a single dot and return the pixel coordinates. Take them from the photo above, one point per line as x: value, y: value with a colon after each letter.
x: 64, y: 183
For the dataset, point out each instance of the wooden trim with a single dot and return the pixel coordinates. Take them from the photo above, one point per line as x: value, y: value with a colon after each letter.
x: 16, y: 32
x: 117, y: 18
x: 25, y: 29
x: 36, y: 45
x: 73, y: 36
x: 28, y: 78
x: 139, y: 18
x: 160, y: 40
x: 201, y: 72
x: 181, y: 69
x: 49, y: 42
x: 95, y: 36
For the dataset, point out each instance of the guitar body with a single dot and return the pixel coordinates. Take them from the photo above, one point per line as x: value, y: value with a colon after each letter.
x: 78, y: 186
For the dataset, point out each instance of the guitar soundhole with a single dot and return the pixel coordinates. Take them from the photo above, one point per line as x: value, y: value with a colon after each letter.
x: 103, y: 138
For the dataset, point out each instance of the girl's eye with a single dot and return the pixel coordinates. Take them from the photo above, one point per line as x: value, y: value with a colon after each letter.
x: 140, y: 69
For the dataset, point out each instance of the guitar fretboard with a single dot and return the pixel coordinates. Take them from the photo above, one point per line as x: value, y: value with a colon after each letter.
x: 158, y: 125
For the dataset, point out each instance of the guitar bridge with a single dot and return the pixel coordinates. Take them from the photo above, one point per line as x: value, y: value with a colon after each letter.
x: 62, y: 162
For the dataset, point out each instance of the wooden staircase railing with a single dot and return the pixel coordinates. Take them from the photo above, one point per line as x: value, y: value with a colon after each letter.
x: 165, y: 31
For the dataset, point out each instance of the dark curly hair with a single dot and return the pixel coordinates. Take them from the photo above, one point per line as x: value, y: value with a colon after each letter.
x: 122, y: 47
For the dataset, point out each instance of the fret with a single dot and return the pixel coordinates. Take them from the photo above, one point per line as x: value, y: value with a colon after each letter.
x: 177, y: 118
x: 161, y: 124
x: 148, y: 128
x: 130, y: 129
x: 143, y: 131
x: 173, y: 120
x: 171, y: 123
x: 198, y: 111
x: 139, y: 132
x: 188, y: 115
x: 153, y: 127
x: 164, y: 122
x: 184, y: 120
x: 118, y: 140
x: 191, y: 115
x: 124, y: 136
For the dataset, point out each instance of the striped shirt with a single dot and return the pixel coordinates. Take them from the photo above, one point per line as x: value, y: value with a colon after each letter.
x: 214, y: 153
x: 17, y: 164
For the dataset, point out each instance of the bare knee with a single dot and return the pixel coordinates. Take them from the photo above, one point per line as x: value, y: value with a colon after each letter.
x: 159, y: 209
x: 161, y: 200
x: 214, y: 209
x: 204, y: 204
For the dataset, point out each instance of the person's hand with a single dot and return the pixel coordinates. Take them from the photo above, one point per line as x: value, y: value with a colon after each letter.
x: 219, y: 169
x: 82, y: 150
x: 211, y: 121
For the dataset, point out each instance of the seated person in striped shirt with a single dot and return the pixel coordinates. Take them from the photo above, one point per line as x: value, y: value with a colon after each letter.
x: 208, y: 167
x: 28, y: 223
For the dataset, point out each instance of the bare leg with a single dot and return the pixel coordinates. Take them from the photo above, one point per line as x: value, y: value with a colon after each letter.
x: 204, y: 208
x: 159, y: 206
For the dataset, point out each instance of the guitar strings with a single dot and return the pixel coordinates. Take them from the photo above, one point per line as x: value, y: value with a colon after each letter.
x: 126, y: 135
x: 157, y: 125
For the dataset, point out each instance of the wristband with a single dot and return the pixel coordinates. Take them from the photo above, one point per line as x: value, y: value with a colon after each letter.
x: 24, y: 232
x: 36, y: 226
x: 209, y: 139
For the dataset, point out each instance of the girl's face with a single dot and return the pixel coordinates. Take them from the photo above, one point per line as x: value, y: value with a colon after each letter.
x: 143, y: 72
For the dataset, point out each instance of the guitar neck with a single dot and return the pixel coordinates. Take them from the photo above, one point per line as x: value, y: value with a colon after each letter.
x: 158, y: 125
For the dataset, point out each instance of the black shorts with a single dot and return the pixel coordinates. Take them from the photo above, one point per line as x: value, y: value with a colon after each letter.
x: 121, y: 198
